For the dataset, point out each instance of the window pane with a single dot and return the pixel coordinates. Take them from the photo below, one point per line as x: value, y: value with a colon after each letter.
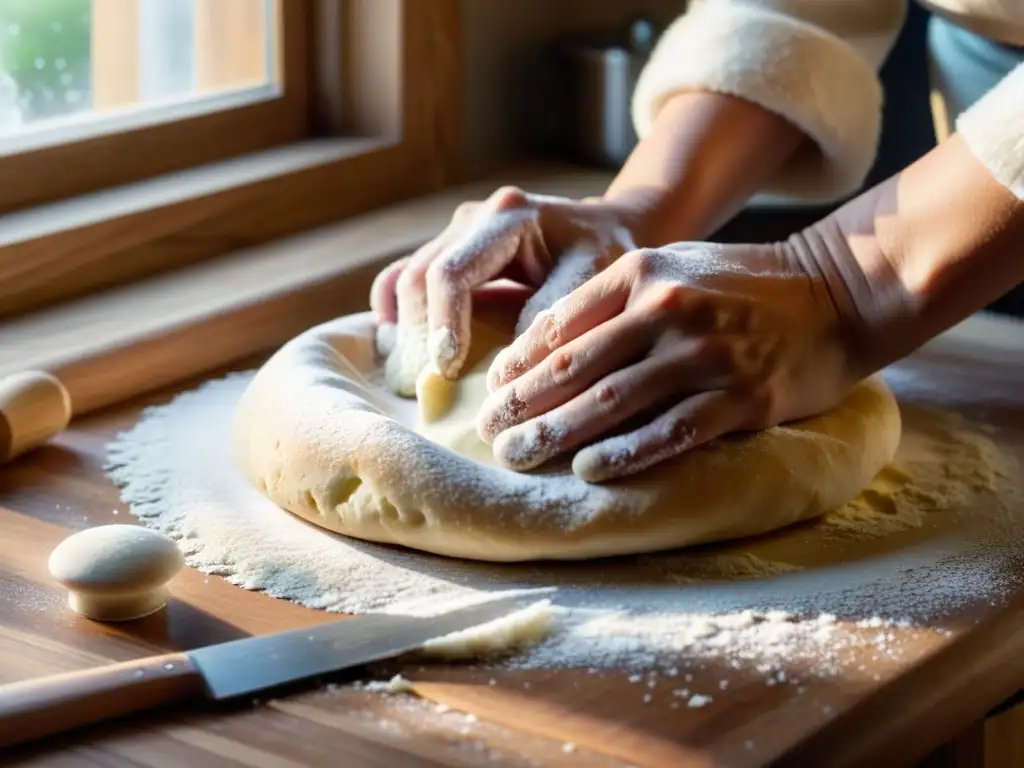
x: 76, y: 62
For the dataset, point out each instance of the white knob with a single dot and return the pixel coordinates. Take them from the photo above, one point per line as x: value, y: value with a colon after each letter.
x: 116, y: 572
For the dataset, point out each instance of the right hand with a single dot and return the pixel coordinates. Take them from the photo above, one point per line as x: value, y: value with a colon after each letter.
x: 550, y: 245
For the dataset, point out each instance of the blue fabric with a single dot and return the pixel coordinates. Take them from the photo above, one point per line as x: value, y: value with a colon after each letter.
x: 965, y: 66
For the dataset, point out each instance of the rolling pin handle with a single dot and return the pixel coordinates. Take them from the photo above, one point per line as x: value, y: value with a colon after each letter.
x: 34, y: 407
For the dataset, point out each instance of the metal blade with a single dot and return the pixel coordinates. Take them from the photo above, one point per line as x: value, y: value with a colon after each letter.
x: 253, y: 664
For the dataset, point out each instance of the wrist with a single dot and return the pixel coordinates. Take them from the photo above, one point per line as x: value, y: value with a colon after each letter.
x: 916, y: 254
x: 850, y: 282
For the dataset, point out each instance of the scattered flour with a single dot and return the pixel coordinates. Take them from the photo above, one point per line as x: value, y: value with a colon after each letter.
x: 767, y: 607
x: 698, y: 700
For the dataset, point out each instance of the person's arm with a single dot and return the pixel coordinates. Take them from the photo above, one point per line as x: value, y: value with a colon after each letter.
x: 720, y: 338
x: 738, y: 97
x: 759, y: 96
x: 935, y: 243
x: 707, y: 153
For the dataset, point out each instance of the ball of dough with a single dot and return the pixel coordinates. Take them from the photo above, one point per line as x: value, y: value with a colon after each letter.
x: 320, y: 432
x: 116, y: 572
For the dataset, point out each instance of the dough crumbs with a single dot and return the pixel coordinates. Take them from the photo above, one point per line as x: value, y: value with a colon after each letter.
x: 698, y: 701
x: 515, y: 631
x: 396, y: 684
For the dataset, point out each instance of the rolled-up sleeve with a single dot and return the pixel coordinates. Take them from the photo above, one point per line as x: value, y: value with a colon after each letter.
x: 993, y: 128
x: 813, y: 62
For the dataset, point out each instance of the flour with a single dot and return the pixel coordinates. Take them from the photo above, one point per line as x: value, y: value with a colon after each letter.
x: 672, y: 613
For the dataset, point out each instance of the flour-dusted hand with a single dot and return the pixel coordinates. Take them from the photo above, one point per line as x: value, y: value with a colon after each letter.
x: 666, y: 349
x: 424, y: 303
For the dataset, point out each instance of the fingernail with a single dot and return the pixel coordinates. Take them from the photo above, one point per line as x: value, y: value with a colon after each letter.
x: 443, y: 348
x: 527, y: 446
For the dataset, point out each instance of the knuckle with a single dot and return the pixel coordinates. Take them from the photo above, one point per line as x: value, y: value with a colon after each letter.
x: 465, y: 210
x: 645, y: 262
x: 712, y: 351
x: 563, y: 367
x: 678, y: 432
x: 548, y: 331
x: 509, y: 198
x: 608, y: 397
x: 751, y: 356
x: 703, y: 312
x: 412, y: 278
x: 666, y: 298
x: 440, y: 270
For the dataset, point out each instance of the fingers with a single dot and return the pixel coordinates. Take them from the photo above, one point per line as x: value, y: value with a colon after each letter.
x: 608, y: 404
x: 384, y: 304
x: 472, y: 260
x: 691, y: 423
x: 411, y: 284
x: 408, y: 354
x: 503, y: 231
x: 593, y: 303
x: 383, y: 301
x: 574, y: 268
x: 565, y: 373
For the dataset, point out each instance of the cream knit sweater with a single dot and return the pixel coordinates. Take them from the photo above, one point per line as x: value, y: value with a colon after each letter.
x: 816, y: 62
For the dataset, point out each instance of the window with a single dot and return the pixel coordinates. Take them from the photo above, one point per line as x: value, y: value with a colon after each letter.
x: 141, y: 135
x: 110, y: 91
x: 66, y: 63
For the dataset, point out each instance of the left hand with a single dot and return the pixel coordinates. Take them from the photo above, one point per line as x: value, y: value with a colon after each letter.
x: 694, y: 340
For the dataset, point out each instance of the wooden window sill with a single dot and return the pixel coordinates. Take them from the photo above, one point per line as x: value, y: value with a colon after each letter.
x: 109, y: 346
x: 55, y: 252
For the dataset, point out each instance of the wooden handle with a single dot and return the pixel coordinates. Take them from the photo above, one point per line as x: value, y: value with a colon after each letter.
x: 50, y: 705
x: 34, y: 407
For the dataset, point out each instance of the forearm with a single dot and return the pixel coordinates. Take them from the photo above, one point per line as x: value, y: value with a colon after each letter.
x: 922, y: 251
x: 705, y: 156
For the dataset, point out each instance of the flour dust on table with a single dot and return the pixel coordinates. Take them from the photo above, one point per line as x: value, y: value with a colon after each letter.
x: 936, y: 530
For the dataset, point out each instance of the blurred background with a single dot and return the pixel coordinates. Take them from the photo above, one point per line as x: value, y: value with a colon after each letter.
x: 45, y: 51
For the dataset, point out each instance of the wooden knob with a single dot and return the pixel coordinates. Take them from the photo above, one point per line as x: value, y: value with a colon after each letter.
x: 116, y: 572
x: 34, y: 407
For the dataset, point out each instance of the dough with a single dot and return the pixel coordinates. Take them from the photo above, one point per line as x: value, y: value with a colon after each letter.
x: 116, y: 572
x: 319, y: 432
x: 522, y: 628
x: 435, y: 395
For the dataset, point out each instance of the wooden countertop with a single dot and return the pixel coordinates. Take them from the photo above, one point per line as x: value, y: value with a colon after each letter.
x: 942, y: 687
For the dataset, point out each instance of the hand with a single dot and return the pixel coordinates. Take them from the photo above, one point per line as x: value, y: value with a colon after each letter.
x: 550, y: 245
x: 668, y: 348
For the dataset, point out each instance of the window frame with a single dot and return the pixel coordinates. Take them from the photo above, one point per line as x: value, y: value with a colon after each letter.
x: 383, y: 81
x: 203, y: 133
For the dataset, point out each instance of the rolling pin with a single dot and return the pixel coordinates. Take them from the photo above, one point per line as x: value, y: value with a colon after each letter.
x: 34, y: 407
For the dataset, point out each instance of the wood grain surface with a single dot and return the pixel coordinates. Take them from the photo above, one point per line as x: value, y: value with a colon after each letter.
x: 895, y: 713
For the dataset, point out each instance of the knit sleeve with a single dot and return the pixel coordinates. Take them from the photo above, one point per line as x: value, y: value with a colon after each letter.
x: 993, y: 128
x: 815, y: 63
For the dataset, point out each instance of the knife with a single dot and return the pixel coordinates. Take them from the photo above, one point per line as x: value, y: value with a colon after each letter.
x: 42, y: 707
